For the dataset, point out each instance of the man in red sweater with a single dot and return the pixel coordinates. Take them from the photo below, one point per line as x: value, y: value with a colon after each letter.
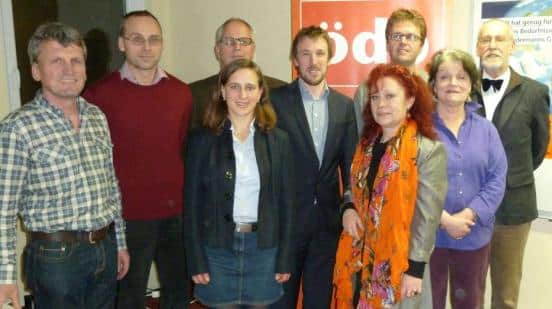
x: 148, y: 111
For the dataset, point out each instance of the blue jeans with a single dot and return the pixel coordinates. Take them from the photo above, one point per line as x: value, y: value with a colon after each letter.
x: 159, y: 241
x: 72, y: 274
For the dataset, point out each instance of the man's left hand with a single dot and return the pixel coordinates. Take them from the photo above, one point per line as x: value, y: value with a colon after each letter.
x: 123, y: 262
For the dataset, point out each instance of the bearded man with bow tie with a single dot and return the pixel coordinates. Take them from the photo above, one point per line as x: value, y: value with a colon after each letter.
x: 519, y: 108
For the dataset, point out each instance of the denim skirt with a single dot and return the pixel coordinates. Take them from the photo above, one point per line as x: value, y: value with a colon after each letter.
x: 243, y: 275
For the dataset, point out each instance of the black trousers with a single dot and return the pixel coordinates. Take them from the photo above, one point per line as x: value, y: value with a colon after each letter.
x: 160, y: 241
x: 315, y: 250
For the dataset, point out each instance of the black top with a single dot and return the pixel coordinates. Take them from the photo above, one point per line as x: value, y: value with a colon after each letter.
x: 377, y: 153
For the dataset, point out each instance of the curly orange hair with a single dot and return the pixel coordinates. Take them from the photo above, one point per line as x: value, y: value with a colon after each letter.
x: 413, y: 86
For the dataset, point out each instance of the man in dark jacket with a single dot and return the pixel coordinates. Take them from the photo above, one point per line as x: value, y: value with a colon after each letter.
x: 321, y: 126
x: 233, y: 40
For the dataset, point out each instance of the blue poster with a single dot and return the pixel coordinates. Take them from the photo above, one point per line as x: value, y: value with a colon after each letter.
x: 531, y: 22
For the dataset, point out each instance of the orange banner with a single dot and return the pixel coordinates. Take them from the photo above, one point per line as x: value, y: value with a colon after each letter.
x: 357, y: 29
x: 549, y: 149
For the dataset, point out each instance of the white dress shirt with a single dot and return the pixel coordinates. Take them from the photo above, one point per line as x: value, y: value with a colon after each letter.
x: 248, y: 182
x: 492, y: 97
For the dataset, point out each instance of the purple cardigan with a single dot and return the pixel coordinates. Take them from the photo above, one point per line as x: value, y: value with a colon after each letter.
x: 476, y: 171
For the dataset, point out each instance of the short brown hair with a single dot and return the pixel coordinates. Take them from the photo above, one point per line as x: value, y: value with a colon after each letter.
x: 143, y: 13
x: 410, y: 15
x: 217, y: 110
x: 54, y: 31
x: 312, y: 32
x: 413, y: 86
x: 461, y: 56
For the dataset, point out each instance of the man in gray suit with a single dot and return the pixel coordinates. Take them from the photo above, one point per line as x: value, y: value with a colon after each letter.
x: 321, y: 126
x: 233, y: 40
x: 519, y: 108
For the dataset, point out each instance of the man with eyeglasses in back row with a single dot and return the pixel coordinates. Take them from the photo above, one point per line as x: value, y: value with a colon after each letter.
x: 233, y: 40
x: 148, y: 112
x: 405, y: 34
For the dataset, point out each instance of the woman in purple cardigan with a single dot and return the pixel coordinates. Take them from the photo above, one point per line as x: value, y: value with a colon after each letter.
x: 476, y: 171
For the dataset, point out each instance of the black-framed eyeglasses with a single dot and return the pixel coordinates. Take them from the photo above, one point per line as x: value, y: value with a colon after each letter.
x: 410, y: 37
x: 138, y: 40
x: 230, y: 41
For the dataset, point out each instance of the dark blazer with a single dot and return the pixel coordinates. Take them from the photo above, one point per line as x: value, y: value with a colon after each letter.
x: 521, y: 119
x: 203, y: 89
x: 209, y: 195
x: 315, y: 182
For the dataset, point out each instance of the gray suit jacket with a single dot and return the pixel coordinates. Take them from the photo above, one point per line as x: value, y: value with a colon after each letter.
x: 430, y: 199
x: 203, y: 89
x: 521, y: 119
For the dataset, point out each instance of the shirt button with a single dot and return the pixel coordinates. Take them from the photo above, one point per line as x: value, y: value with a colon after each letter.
x: 228, y: 196
x: 228, y: 175
x: 460, y: 174
x: 460, y: 192
x: 171, y: 204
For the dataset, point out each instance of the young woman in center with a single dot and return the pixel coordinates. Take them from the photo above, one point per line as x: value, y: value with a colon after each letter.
x: 239, y: 196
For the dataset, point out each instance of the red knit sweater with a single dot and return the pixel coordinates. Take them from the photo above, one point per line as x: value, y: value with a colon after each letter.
x: 148, y: 127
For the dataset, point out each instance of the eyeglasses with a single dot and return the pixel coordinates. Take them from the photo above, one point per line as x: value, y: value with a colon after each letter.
x: 138, y: 40
x: 243, y: 41
x: 410, y: 37
x: 486, y: 40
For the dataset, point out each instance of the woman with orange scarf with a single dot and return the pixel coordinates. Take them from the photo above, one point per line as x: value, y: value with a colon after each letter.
x: 399, y: 184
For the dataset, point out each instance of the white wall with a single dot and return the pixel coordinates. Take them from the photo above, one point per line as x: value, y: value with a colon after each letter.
x: 189, y: 30
x: 4, y: 98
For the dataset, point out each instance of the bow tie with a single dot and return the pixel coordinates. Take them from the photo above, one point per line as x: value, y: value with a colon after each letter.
x: 487, y: 83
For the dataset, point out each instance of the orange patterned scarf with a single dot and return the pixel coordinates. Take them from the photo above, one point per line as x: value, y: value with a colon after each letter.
x: 382, y: 253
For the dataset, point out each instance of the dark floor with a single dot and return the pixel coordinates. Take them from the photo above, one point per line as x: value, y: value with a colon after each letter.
x: 197, y: 306
x: 153, y: 303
